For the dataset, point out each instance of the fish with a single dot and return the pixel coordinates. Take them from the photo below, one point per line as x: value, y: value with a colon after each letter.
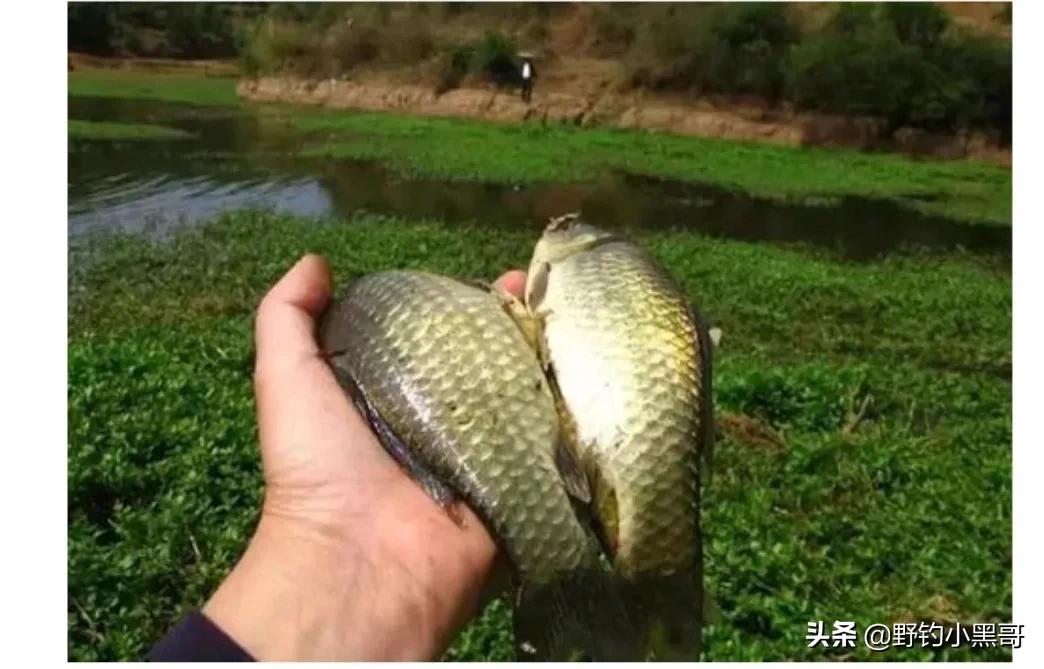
x: 452, y: 386
x: 630, y: 361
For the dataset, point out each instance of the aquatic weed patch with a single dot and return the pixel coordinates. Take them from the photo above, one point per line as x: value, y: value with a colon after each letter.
x: 459, y: 149
x: 455, y: 149
x: 883, y: 494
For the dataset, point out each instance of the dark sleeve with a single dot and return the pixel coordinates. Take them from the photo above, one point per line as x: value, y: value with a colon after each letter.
x: 196, y: 639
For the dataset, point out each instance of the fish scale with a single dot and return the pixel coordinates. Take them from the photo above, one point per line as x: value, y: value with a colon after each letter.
x: 451, y: 375
x: 623, y: 345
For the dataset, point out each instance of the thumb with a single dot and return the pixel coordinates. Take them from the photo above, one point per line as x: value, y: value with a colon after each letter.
x: 286, y: 318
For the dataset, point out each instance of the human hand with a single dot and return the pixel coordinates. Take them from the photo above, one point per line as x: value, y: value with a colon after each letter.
x: 350, y: 559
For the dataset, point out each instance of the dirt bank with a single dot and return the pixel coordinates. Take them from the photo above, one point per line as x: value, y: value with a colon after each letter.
x: 206, y: 68
x: 701, y: 119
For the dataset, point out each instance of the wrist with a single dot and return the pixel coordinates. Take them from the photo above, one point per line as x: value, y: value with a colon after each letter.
x: 302, y: 591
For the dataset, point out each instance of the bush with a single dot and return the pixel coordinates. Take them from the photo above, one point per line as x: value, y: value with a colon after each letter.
x: 728, y: 49
x: 750, y: 49
x: 494, y: 59
x: 669, y: 47
x: 853, y: 19
x: 919, y: 24
x: 92, y: 27
x: 350, y: 45
x: 960, y: 81
x: 406, y: 42
x: 453, y: 67
x: 984, y: 67
x: 860, y: 76
x: 179, y: 30
x: 280, y: 45
x: 275, y: 46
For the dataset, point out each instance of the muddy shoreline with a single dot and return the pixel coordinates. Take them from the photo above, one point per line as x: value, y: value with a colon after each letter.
x: 628, y: 112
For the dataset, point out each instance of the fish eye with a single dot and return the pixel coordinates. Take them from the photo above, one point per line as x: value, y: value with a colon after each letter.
x: 563, y: 222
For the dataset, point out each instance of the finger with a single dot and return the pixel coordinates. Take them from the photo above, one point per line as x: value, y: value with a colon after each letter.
x: 285, y: 327
x: 292, y: 382
x: 303, y: 415
x: 513, y: 281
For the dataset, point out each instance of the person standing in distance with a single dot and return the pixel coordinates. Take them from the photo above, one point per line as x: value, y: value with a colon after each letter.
x: 528, y: 74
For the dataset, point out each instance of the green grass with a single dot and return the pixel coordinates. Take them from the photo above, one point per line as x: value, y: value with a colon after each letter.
x: 104, y: 130
x: 475, y: 150
x: 905, y: 515
x: 186, y: 88
x: 458, y: 149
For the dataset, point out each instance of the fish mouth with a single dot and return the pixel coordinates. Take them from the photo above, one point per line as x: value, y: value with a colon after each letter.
x: 570, y: 233
x: 562, y: 222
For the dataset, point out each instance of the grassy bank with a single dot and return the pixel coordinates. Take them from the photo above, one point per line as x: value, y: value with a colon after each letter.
x: 186, y: 88
x: 864, y: 473
x: 511, y: 153
x: 475, y: 150
x: 104, y: 130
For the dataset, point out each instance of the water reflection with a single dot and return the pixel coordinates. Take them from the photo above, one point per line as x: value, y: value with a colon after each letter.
x: 247, y: 159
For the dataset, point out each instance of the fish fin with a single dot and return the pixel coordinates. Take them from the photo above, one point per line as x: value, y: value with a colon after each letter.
x: 441, y: 493
x: 536, y: 286
x: 578, y: 615
x: 571, y: 472
x: 529, y: 325
x: 705, y: 354
x: 567, y: 461
x: 606, y: 516
x: 671, y: 613
x: 481, y: 284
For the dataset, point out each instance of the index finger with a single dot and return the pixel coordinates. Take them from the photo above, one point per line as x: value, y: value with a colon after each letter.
x: 513, y: 281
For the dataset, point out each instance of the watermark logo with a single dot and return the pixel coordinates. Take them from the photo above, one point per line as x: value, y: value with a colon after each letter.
x: 879, y: 637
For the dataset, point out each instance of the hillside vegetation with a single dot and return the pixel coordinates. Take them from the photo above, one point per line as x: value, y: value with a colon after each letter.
x: 921, y: 65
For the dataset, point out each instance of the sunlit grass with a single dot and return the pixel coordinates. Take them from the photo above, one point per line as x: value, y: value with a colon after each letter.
x: 482, y: 151
x: 186, y: 88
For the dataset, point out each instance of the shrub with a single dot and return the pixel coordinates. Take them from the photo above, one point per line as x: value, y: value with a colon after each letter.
x: 350, y: 45
x: 406, y: 42
x: 494, y: 59
x: 750, y: 49
x: 961, y: 81
x: 916, y: 23
x: 454, y: 65
x: 274, y: 46
x: 984, y: 67
x: 726, y: 49
x: 92, y: 27
x: 180, y: 30
x: 668, y: 50
x: 854, y: 18
x: 870, y: 76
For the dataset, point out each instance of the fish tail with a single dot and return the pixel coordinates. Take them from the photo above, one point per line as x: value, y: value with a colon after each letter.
x: 670, y: 610
x: 577, y: 616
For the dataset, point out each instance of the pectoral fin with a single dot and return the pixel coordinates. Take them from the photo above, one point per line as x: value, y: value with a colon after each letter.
x: 441, y: 493
x: 707, y: 339
x: 529, y: 325
x: 571, y: 472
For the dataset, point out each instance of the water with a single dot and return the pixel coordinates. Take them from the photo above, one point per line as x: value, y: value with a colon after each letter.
x: 246, y: 159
